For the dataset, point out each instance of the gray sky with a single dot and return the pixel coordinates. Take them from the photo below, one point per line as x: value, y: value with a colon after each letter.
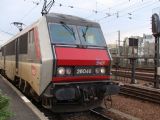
x: 131, y: 17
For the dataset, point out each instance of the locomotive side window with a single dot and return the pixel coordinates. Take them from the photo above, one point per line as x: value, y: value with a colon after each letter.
x: 23, y: 44
x: 63, y: 34
x: 10, y: 48
x: 31, y: 46
x: 91, y: 36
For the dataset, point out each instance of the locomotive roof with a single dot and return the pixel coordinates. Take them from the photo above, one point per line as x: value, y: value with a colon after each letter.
x: 56, y: 17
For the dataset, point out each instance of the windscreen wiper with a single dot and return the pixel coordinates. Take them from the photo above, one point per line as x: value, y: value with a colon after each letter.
x: 70, y: 30
x: 85, y: 32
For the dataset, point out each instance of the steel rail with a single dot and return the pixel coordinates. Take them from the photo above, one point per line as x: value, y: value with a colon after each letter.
x: 140, y: 76
x: 100, y: 112
x: 141, y: 93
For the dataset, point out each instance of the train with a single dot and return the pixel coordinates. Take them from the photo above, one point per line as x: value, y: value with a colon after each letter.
x: 61, y: 61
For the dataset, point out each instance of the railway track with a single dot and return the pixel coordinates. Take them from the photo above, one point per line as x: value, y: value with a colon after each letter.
x: 101, y: 112
x: 93, y: 114
x: 145, y: 76
x: 140, y: 69
x: 141, y: 93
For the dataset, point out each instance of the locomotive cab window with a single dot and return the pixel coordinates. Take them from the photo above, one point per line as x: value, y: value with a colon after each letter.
x: 91, y: 36
x: 63, y: 34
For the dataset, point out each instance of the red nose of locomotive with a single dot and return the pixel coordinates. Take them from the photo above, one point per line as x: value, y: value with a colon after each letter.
x: 79, y: 64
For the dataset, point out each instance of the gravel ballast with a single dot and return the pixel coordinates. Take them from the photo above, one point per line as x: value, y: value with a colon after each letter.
x: 135, y: 107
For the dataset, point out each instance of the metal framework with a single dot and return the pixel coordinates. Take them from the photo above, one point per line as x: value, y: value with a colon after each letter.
x: 156, y: 61
x: 19, y: 25
x: 46, y: 7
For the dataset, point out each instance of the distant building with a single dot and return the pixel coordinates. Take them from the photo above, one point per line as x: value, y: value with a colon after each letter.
x: 145, y: 51
x: 145, y: 46
x: 113, y: 48
x: 149, y: 46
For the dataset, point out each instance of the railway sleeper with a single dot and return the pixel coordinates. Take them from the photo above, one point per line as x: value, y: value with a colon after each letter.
x: 150, y: 93
x: 155, y: 93
x: 140, y: 97
x: 142, y: 94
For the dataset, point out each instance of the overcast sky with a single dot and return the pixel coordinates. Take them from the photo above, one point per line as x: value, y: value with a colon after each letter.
x: 131, y: 17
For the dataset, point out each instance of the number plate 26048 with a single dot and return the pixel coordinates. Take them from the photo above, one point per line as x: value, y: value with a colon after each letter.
x: 84, y: 71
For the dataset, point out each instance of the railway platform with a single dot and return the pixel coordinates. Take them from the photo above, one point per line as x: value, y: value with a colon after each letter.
x: 20, y: 106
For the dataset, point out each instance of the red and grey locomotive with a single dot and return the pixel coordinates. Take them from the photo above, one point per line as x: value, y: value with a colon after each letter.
x: 61, y: 61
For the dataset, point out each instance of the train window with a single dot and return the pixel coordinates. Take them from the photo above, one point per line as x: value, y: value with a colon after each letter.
x: 23, y: 44
x: 2, y: 51
x: 91, y: 36
x: 10, y: 48
x: 31, y: 37
x: 29, y: 40
x: 63, y: 34
x: 31, y: 46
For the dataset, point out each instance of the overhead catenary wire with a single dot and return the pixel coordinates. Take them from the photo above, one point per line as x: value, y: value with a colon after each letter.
x: 93, y: 11
x: 107, y: 14
x: 139, y: 6
x: 3, y: 31
x: 114, y: 6
x: 135, y: 10
x: 58, y: 4
x: 35, y: 3
x: 119, y: 13
x: 128, y: 11
x: 29, y: 12
x: 71, y: 6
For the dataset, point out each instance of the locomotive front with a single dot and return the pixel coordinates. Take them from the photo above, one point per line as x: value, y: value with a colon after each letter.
x: 81, y: 65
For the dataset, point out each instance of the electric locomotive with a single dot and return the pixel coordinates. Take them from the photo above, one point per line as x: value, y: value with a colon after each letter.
x: 61, y: 61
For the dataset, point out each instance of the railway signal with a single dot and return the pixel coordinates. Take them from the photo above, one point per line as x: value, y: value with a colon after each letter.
x: 156, y: 34
x: 133, y: 43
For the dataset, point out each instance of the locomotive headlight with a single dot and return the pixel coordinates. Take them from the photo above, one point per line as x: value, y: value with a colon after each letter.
x: 103, y: 70
x: 100, y: 70
x: 97, y: 70
x: 61, y: 71
x: 68, y: 71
